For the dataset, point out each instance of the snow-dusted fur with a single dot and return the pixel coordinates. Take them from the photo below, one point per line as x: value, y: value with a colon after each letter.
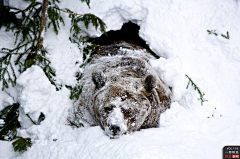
x: 121, y: 92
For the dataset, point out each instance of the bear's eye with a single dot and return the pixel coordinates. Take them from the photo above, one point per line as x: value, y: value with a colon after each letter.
x: 126, y: 111
x: 108, y: 109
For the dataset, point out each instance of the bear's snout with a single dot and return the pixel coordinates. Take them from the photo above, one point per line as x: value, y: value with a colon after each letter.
x: 115, y: 129
x: 115, y: 125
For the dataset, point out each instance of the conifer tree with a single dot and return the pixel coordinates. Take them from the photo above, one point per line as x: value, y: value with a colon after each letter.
x: 29, y: 30
x: 29, y: 50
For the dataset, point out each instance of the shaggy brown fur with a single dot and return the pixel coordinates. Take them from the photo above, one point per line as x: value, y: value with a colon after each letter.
x: 121, y: 91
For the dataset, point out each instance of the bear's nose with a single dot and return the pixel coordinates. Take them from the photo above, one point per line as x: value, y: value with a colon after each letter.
x: 115, y: 129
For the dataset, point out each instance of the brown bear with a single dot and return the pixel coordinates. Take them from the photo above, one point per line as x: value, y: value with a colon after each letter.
x: 120, y: 90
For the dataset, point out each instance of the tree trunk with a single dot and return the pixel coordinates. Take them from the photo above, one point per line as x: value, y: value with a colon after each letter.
x: 43, y: 24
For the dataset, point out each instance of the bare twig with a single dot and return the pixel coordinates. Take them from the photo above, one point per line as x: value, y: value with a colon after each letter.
x: 19, y: 10
x: 10, y: 95
x: 72, y: 13
x: 16, y: 53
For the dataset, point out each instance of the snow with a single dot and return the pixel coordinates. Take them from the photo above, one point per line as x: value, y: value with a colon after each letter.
x: 175, y: 30
x: 116, y: 118
x: 34, y: 93
x: 2, y: 122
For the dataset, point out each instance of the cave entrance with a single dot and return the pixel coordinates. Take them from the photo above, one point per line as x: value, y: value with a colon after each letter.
x: 128, y: 33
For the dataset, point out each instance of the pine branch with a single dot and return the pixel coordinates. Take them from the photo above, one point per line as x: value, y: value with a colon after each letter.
x: 21, y: 144
x: 18, y: 47
x: 225, y: 36
x: 6, y: 70
x: 215, y: 33
x: 87, y: 1
x: 31, y: 119
x: 70, y: 12
x: 10, y: 116
x: 29, y: 7
x: 75, y: 92
x: 96, y: 22
x: 55, y: 18
x: 86, y: 18
x: 16, y: 53
x: 9, y: 95
x: 212, y: 32
x: 196, y: 88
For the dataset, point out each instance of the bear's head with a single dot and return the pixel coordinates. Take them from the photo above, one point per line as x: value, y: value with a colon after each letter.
x: 120, y: 110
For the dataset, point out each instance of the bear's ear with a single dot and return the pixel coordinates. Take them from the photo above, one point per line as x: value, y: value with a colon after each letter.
x: 98, y: 79
x: 149, y: 83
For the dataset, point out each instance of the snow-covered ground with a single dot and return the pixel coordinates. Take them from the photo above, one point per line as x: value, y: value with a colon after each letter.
x: 175, y: 30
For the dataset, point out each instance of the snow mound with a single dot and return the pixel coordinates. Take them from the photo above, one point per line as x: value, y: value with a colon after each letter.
x: 37, y: 95
x: 34, y: 91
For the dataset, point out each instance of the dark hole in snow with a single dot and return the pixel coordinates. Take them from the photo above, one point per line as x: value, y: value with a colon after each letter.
x: 41, y: 118
x: 128, y: 33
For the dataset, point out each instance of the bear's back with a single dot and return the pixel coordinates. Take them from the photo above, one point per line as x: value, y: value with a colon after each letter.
x: 122, y: 64
x: 122, y: 48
